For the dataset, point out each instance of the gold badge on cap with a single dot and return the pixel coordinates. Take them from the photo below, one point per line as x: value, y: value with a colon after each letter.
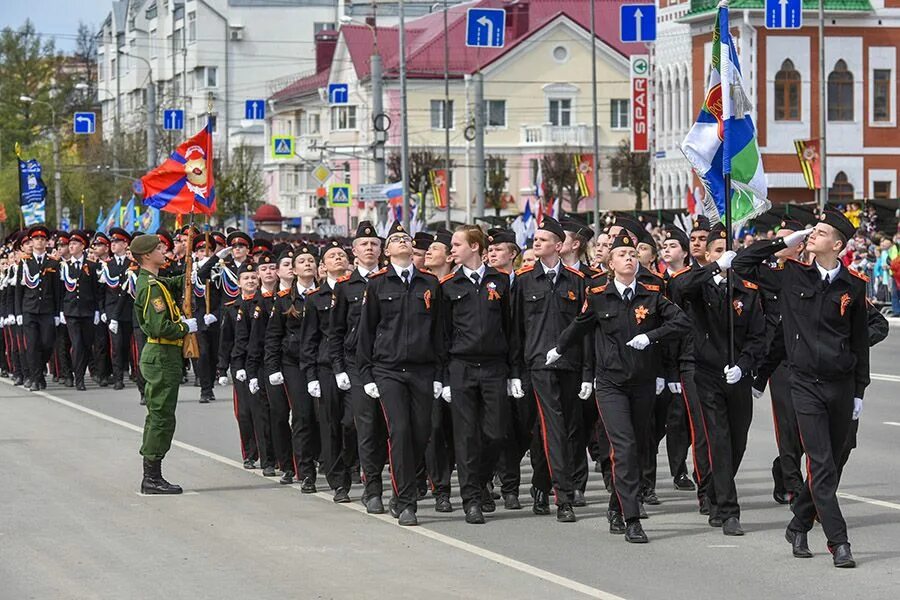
x: 822, y: 217
x: 626, y: 240
x: 367, y: 230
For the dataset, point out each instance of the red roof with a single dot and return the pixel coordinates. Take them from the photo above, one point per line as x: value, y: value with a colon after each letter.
x: 425, y: 39
x: 267, y: 213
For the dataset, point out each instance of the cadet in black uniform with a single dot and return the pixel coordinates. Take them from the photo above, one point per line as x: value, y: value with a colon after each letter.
x: 81, y: 295
x: 63, y: 350
x: 400, y: 342
x: 118, y: 318
x: 825, y: 332
x: 627, y: 318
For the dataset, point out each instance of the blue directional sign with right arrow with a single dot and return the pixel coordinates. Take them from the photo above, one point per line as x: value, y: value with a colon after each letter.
x: 485, y: 27
x: 637, y: 23
x: 784, y: 14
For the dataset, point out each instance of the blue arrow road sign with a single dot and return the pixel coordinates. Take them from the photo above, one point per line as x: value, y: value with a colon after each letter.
x: 637, y: 23
x: 485, y: 27
x: 255, y: 110
x: 173, y: 119
x: 338, y: 93
x: 85, y: 123
x: 784, y: 14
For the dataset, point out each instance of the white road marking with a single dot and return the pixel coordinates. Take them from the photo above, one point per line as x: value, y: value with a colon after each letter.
x: 500, y: 559
x: 722, y: 546
x: 894, y: 423
x: 884, y: 377
x: 873, y: 501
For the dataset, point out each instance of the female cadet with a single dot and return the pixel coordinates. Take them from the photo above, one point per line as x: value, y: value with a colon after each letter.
x: 627, y: 319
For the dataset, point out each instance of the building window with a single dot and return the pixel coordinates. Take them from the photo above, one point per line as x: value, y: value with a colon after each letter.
x: 787, y: 93
x: 314, y: 124
x: 151, y: 11
x: 881, y: 95
x: 152, y: 40
x: 178, y: 40
x: 343, y: 117
x: 495, y: 113
x: 207, y: 77
x: 288, y: 183
x: 881, y: 189
x: 114, y: 71
x: 840, y: 93
x: 560, y: 112
x: 324, y: 26
x: 169, y: 46
x: 192, y: 27
x: 618, y: 110
x: 841, y: 191
x: 441, y: 119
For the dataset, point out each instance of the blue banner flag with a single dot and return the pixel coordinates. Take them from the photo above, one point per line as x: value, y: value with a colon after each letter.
x: 129, y: 216
x: 34, y: 213
x: 148, y: 222
x: 113, y: 217
x: 31, y: 185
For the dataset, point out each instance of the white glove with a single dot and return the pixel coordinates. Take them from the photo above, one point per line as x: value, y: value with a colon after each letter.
x: 10, y: 319
x: 62, y: 319
x: 733, y: 374
x: 437, y: 387
x: 114, y: 326
x: 675, y: 387
x: 253, y: 385
x: 103, y: 317
x: 371, y: 390
x: 209, y: 319
x: 757, y: 394
x: 515, y: 388
x: 18, y: 319
x: 314, y: 388
x: 56, y: 321
x: 224, y: 253
x: 276, y: 378
x: 586, y: 388
x: 553, y: 355
x: 795, y: 238
x: 223, y: 380
x: 191, y: 323
x: 857, y: 408
x: 240, y: 375
x: 343, y: 381
x: 660, y: 385
x: 724, y: 261
x: 445, y: 394
x: 96, y: 317
x: 639, y: 342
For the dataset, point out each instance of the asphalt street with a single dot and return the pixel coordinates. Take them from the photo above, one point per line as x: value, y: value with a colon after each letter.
x: 74, y: 526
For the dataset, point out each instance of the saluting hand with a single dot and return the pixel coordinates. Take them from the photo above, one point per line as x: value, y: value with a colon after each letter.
x: 224, y: 253
x: 725, y: 260
x: 795, y: 238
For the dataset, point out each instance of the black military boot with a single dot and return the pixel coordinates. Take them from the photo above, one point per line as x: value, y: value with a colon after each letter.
x: 153, y: 482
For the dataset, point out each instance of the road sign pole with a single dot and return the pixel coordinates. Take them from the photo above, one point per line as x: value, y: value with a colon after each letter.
x: 596, y: 172
x: 823, y: 107
x: 446, y: 107
x: 151, y: 124
x: 404, y: 121
x: 378, y: 109
x: 479, y: 144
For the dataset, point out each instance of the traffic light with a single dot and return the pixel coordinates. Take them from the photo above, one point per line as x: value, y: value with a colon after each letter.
x: 322, y: 202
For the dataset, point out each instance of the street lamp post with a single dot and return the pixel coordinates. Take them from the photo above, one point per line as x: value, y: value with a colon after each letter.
x: 151, y: 110
x: 57, y: 177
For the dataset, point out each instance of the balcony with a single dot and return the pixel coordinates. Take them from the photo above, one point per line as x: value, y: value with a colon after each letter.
x: 553, y: 135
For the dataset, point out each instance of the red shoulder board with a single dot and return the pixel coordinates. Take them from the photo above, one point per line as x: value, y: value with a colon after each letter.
x: 680, y: 271
x: 133, y: 268
x: 596, y: 272
x: 377, y: 273
x: 268, y: 294
x: 283, y: 293
x: 525, y: 269
x: 749, y: 285
x: 343, y: 279
x: 312, y: 291
x: 652, y: 288
x: 229, y: 303
x: 799, y: 262
x: 447, y: 277
x: 576, y: 271
x: 598, y: 289
x: 502, y: 271
x: 427, y: 272
x: 858, y: 275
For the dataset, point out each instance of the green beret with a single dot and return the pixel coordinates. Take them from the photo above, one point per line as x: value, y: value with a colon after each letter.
x: 144, y: 244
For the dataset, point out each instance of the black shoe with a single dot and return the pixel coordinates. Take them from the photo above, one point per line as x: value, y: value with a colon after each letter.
x: 634, y: 533
x: 42, y: 384
x: 643, y: 512
x: 394, y: 507
x: 154, y: 483
x: 308, y: 486
x: 211, y: 397
x: 80, y: 387
x: 616, y: 522
x: 69, y: 382
x: 798, y: 542
x: 287, y: 478
x: 683, y: 483
x: 442, y: 503
x: 423, y: 491
x: 541, y: 504
x: 104, y: 382
x: 651, y: 498
x: 18, y: 380
x: 408, y: 517
x: 511, y: 502
x: 143, y: 399
x: 843, y: 559
x: 732, y: 526
x: 578, y: 499
x: 704, y: 506
x: 55, y: 379
x: 249, y: 464
x: 565, y: 513
x: 196, y: 381
x: 607, y: 482
x: 118, y: 385
x: 341, y: 496
x: 474, y: 515
x: 714, y: 520
x: 269, y: 472
x: 488, y: 504
x: 782, y: 497
x: 204, y: 400
x: 374, y: 506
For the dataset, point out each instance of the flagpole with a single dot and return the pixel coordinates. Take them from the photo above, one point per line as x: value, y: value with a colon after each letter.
x: 725, y: 70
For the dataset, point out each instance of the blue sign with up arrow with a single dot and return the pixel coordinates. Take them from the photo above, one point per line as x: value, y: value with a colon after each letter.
x: 784, y: 14
x: 255, y: 110
x: 637, y: 23
x: 485, y: 27
x: 173, y: 119
x: 85, y: 123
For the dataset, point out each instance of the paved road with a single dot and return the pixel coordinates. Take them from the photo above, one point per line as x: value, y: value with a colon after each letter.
x: 74, y: 526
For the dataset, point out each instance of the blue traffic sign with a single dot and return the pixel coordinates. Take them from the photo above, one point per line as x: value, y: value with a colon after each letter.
x: 784, y: 14
x: 282, y: 147
x: 255, y: 110
x: 338, y: 93
x: 339, y: 195
x: 85, y: 123
x: 173, y: 119
x: 637, y: 23
x: 485, y: 27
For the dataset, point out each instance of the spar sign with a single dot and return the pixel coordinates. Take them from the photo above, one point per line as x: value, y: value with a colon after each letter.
x: 640, y: 103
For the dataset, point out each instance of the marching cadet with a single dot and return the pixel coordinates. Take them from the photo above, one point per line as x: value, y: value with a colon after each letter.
x: 19, y: 368
x: 291, y: 344
x: 420, y: 244
x: 400, y: 342
x: 602, y: 246
x: 699, y: 235
x: 37, y: 304
x: 118, y: 317
x: 207, y: 300
x: 81, y: 296
x: 627, y: 319
x: 101, y: 366
x: 545, y: 300
x: 62, y: 352
x: 481, y: 347
x: 367, y: 414
x: 161, y: 360
x: 826, y: 336
x: 724, y: 387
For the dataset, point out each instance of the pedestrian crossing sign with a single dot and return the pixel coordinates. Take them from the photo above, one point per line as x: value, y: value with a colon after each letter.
x: 339, y: 195
x: 282, y: 147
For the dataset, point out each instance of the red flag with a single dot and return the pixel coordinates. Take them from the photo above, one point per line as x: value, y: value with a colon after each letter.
x: 439, y: 188
x: 584, y: 173
x: 810, y: 162
x: 691, y: 203
x: 184, y: 182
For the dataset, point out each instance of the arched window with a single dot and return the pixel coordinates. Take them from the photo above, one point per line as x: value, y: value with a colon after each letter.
x: 840, y: 93
x: 676, y: 109
x: 841, y: 191
x: 787, y: 93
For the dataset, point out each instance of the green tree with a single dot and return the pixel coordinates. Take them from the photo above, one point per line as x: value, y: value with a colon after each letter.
x: 495, y: 180
x: 558, y: 172
x: 421, y: 162
x: 241, y: 183
x: 632, y: 170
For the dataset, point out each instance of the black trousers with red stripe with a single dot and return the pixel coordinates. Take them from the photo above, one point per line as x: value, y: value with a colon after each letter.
x: 120, y: 345
x: 371, y: 435
x: 40, y: 333
x: 330, y: 414
x: 439, y: 453
x: 824, y: 410
x: 304, y: 427
x: 559, y: 413
x: 407, y: 399
x: 700, y: 450
x: 520, y: 432
x: 655, y: 433
x: 625, y: 411
x: 251, y: 448
x: 81, y: 333
x: 280, y: 424
x: 587, y: 424
x: 787, y: 435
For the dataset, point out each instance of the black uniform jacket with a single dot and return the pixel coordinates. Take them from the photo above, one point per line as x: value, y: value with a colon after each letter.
x: 291, y: 333
x: 251, y: 334
x: 81, y: 289
x: 38, y: 287
x: 344, y: 334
